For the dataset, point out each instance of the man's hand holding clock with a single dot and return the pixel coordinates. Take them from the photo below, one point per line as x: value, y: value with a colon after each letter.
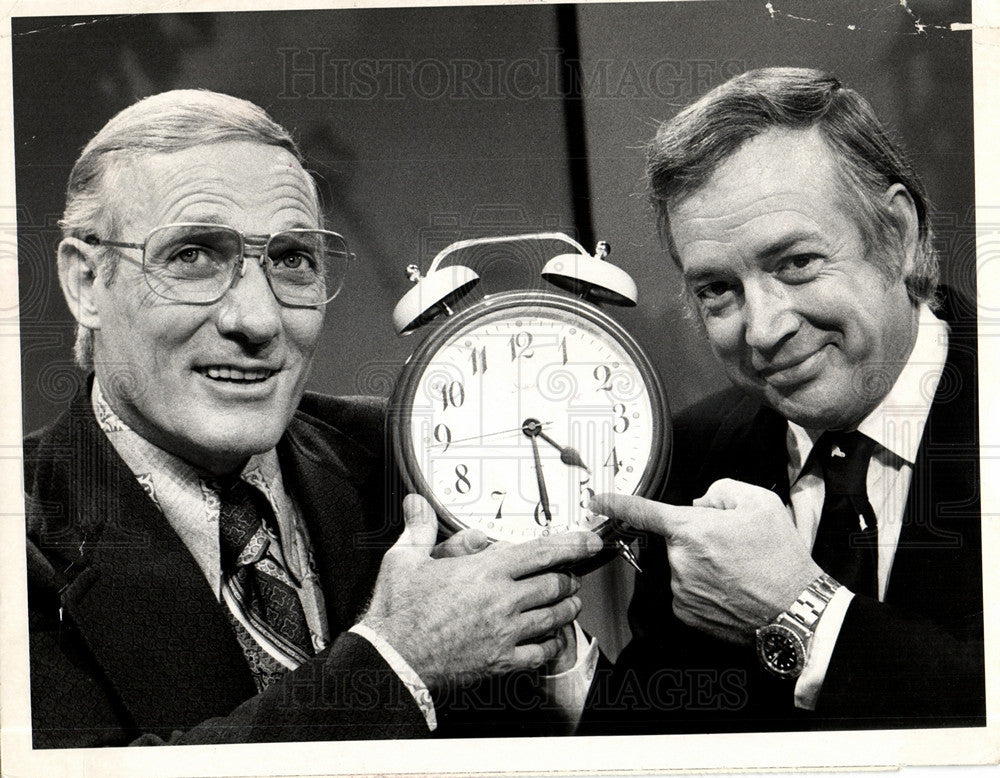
x: 469, y: 614
x: 473, y: 540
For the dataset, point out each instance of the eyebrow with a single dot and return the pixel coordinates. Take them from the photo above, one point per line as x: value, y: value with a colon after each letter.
x: 208, y: 218
x: 769, y: 252
x: 204, y: 218
x: 786, y: 242
x: 697, y: 276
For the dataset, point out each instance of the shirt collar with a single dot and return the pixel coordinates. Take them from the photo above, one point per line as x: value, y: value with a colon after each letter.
x: 142, y: 453
x: 188, y: 496
x: 897, y: 423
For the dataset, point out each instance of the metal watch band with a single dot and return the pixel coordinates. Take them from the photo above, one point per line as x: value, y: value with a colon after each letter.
x: 783, y: 645
x: 809, y: 606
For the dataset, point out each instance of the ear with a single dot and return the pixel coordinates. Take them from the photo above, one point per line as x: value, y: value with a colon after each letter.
x: 904, y: 212
x: 77, y: 277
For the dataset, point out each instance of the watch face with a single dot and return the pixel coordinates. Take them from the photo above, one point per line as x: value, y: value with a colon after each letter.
x: 522, y: 408
x: 780, y: 650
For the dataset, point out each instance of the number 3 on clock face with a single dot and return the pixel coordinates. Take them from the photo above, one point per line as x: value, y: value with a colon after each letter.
x: 518, y: 410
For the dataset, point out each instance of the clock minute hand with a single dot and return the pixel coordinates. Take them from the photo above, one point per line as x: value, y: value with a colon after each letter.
x: 532, y: 428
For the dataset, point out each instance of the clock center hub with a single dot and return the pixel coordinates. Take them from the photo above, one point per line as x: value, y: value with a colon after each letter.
x: 532, y: 428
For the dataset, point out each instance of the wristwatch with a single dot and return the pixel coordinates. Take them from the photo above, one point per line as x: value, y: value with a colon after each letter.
x: 783, y: 645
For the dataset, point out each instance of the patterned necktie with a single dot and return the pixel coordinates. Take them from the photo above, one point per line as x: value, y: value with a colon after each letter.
x: 266, y: 611
x: 846, y: 544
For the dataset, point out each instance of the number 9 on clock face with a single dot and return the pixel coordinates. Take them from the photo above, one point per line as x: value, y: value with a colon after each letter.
x: 518, y: 410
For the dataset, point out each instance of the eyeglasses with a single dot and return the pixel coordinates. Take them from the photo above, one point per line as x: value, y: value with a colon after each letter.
x: 199, y: 263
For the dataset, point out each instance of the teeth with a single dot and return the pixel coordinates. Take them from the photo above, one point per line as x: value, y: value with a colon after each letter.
x: 223, y: 373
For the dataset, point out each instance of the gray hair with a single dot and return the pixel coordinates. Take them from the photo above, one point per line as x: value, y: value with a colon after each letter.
x: 688, y: 148
x: 163, y: 123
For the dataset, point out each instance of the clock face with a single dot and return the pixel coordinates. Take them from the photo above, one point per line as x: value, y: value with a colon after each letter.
x: 522, y: 408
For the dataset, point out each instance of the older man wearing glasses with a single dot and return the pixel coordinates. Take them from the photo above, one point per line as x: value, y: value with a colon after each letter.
x: 212, y: 553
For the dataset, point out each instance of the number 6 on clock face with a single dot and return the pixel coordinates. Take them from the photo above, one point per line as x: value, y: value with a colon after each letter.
x: 518, y: 410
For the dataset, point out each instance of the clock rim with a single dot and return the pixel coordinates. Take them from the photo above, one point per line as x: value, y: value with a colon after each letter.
x: 400, y: 406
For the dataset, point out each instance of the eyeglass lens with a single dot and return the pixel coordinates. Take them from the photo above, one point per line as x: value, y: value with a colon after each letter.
x: 197, y: 263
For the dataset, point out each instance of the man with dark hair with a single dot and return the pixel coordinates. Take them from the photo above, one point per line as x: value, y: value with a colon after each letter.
x: 816, y: 562
x: 215, y: 555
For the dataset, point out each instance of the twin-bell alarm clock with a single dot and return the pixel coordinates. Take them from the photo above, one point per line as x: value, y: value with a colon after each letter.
x: 513, y: 412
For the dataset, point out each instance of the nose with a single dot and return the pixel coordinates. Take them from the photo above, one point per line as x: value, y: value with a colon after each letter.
x: 249, y: 310
x: 768, y: 317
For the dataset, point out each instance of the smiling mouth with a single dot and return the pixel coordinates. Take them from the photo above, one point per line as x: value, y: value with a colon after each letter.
x: 792, y: 372
x: 236, y: 375
x: 771, y: 370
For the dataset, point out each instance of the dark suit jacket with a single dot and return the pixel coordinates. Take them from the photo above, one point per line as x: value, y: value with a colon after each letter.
x: 129, y: 645
x: 915, y: 659
x: 127, y: 639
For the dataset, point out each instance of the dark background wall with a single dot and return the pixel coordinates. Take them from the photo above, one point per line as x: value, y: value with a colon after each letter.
x: 430, y: 125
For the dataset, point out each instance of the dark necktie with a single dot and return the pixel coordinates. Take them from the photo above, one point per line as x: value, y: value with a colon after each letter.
x: 275, y: 635
x: 846, y: 544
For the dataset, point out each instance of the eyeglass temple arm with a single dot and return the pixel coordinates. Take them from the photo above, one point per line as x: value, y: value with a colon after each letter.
x: 93, y: 240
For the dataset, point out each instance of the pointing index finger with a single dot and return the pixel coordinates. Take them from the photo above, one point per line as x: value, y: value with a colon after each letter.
x: 638, y: 512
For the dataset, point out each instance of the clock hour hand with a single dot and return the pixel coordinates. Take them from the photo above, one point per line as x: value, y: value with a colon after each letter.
x: 533, y: 430
x: 568, y: 456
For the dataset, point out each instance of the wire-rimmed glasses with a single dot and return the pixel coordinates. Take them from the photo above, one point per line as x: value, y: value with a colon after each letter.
x: 191, y: 262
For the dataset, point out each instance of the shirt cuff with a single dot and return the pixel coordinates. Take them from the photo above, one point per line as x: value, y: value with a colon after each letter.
x: 810, y: 682
x: 419, y: 691
x: 568, y: 690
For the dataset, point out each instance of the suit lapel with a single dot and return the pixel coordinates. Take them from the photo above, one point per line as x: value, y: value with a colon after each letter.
x: 755, y: 454
x: 344, y: 514
x: 940, y: 540
x: 142, y: 603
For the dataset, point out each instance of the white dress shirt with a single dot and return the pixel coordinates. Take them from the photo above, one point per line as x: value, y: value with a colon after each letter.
x: 897, y: 426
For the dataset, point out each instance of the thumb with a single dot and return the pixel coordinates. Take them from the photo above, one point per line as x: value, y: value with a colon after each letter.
x: 421, y: 527
x: 728, y: 494
x: 468, y: 541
